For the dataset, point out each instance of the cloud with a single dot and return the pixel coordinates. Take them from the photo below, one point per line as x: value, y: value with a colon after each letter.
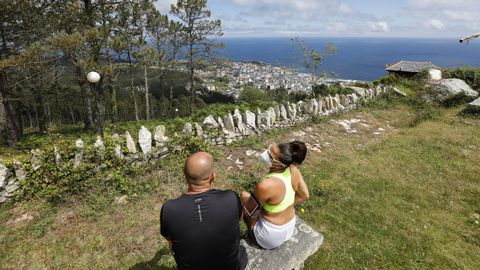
x: 337, y: 27
x: 306, y: 9
x: 435, y: 24
x: 380, y: 26
x: 456, y: 11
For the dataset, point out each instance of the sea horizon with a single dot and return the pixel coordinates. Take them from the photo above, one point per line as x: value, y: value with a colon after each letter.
x: 358, y: 58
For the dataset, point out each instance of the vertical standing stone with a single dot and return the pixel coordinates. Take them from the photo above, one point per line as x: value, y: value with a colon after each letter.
x: 250, y: 120
x: 58, y: 157
x: 220, y: 123
x: 78, y: 153
x: 35, y: 160
x: 321, y: 106
x: 145, y: 140
x: 198, y: 129
x: 283, y: 113
x: 99, y: 145
x: 258, y: 116
x: 313, y: 107
x: 267, y: 118
x: 132, y: 148
x: 19, y: 168
x: 4, y: 174
x: 229, y: 123
x: 238, y: 121
x: 188, y: 129
x: 273, y: 115
x: 118, y: 147
x: 277, y: 112
x: 300, y: 108
x: 159, y: 136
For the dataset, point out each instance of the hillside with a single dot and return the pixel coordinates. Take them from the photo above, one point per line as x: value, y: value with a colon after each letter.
x: 392, y: 186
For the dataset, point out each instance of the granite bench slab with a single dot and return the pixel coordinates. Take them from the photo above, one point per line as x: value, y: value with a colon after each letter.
x: 291, y: 255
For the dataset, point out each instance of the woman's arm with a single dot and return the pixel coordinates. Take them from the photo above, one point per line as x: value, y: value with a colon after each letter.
x: 300, y: 187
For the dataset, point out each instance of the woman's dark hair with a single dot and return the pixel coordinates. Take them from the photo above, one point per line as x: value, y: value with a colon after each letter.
x: 294, y: 152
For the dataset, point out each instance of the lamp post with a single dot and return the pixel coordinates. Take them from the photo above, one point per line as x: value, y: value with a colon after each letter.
x: 93, y: 78
x: 176, y: 112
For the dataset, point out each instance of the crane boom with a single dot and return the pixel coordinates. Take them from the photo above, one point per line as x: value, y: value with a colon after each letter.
x: 467, y: 39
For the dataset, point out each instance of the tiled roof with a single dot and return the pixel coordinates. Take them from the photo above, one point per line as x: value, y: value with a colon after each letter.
x: 410, y: 66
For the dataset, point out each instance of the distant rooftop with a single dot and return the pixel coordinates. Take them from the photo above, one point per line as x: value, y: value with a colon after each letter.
x: 411, y: 66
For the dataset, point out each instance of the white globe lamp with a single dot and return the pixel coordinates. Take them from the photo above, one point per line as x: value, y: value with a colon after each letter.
x: 93, y: 77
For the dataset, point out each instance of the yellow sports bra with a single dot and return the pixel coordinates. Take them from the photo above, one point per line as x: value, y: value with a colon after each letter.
x: 289, y: 198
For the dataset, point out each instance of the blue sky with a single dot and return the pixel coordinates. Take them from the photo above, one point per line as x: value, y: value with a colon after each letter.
x: 350, y: 18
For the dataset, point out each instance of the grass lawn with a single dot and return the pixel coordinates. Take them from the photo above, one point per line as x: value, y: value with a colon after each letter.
x: 387, y: 195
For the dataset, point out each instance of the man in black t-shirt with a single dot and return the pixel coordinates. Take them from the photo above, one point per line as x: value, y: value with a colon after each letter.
x: 202, y: 225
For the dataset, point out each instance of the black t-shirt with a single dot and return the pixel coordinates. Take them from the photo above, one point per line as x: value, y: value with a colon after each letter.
x: 204, y: 230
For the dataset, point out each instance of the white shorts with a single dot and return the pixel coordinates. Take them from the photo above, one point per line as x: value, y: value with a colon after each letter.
x: 269, y: 235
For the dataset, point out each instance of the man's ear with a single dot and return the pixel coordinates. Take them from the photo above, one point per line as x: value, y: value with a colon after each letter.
x: 213, y: 176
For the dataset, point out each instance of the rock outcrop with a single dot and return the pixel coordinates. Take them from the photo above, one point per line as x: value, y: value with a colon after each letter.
x: 291, y: 255
x: 448, y: 89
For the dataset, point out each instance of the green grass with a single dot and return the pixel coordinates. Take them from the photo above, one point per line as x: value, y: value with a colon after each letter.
x: 409, y: 199
x: 406, y: 203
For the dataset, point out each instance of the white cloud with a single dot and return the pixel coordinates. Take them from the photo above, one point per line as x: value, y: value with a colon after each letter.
x: 380, y: 26
x: 435, y: 24
x: 452, y: 10
x: 336, y: 27
x: 164, y: 5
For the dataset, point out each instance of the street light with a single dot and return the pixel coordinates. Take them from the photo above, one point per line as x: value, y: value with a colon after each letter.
x: 93, y: 78
x: 176, y: 112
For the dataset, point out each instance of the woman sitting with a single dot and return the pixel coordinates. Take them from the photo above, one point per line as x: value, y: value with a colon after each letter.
x: 277, y: 194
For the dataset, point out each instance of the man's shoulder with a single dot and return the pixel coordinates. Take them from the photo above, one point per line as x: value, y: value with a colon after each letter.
x: 225, y: 193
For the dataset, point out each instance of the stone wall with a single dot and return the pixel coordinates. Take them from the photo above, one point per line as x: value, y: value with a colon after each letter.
x: 223, y: 130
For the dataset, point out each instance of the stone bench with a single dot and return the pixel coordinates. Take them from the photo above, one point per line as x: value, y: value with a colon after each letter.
x: 291, y: 255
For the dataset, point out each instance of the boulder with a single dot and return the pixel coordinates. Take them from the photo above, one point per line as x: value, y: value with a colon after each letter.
x: 447, y: 89
x: 360, y: 91
x: 209, y: 122
x: 475, y: 105
x: 291, y: 255
x: 435, y: 74
x: 132, y: 148
x: 145, y: 140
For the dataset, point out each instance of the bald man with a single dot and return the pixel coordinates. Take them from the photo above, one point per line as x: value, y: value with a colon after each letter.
x: 202, y: 225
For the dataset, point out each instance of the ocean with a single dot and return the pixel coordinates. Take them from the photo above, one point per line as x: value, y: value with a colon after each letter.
x: 356, y: 58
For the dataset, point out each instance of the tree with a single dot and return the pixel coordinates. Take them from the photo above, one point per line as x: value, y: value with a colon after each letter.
x: 197, y: 29
x: 24, y: 24
x: 312, y: 58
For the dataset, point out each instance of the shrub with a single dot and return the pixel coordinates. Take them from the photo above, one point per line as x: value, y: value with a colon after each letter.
x: 470, y: 75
